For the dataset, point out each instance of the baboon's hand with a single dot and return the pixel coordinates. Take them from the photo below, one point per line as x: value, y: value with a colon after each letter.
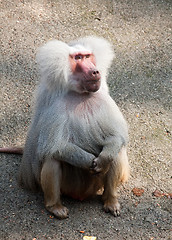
x: 100, y: 165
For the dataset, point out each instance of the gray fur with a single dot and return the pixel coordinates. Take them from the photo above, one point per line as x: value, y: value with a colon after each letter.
x: 66, y: 125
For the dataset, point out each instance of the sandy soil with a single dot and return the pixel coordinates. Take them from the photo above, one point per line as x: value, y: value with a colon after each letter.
x: 140, y: 82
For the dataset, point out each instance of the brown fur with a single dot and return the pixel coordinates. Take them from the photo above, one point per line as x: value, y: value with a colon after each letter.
x: 81, y: 184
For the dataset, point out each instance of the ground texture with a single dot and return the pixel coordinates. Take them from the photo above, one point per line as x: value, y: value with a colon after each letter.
x: 140, y: 82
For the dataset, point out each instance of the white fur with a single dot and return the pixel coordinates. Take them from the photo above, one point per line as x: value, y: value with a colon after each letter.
x: 53, y: 62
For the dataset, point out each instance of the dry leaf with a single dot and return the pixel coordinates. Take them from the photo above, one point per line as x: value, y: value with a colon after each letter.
x: 89, y: 238
x: 138, y: 191
x: 157, y: 193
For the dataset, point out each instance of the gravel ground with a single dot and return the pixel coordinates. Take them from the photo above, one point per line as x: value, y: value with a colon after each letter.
x: 140, y: 82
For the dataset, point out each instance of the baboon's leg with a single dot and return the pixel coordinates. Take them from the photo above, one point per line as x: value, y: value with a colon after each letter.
x: 118, y: 172
x: 51, y: 175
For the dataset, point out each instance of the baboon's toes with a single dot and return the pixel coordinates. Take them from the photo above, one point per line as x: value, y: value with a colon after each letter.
x: 60, y: 212
x: 113, y: 208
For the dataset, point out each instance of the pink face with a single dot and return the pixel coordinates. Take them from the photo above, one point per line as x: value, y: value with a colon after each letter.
x: 83, y: 67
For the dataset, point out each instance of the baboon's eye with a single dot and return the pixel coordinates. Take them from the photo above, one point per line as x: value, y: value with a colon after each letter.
x: 78, y: 57
x: 87, y: 56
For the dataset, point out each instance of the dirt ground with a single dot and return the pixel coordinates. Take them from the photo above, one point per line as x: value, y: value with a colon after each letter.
x: 140, y: 82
